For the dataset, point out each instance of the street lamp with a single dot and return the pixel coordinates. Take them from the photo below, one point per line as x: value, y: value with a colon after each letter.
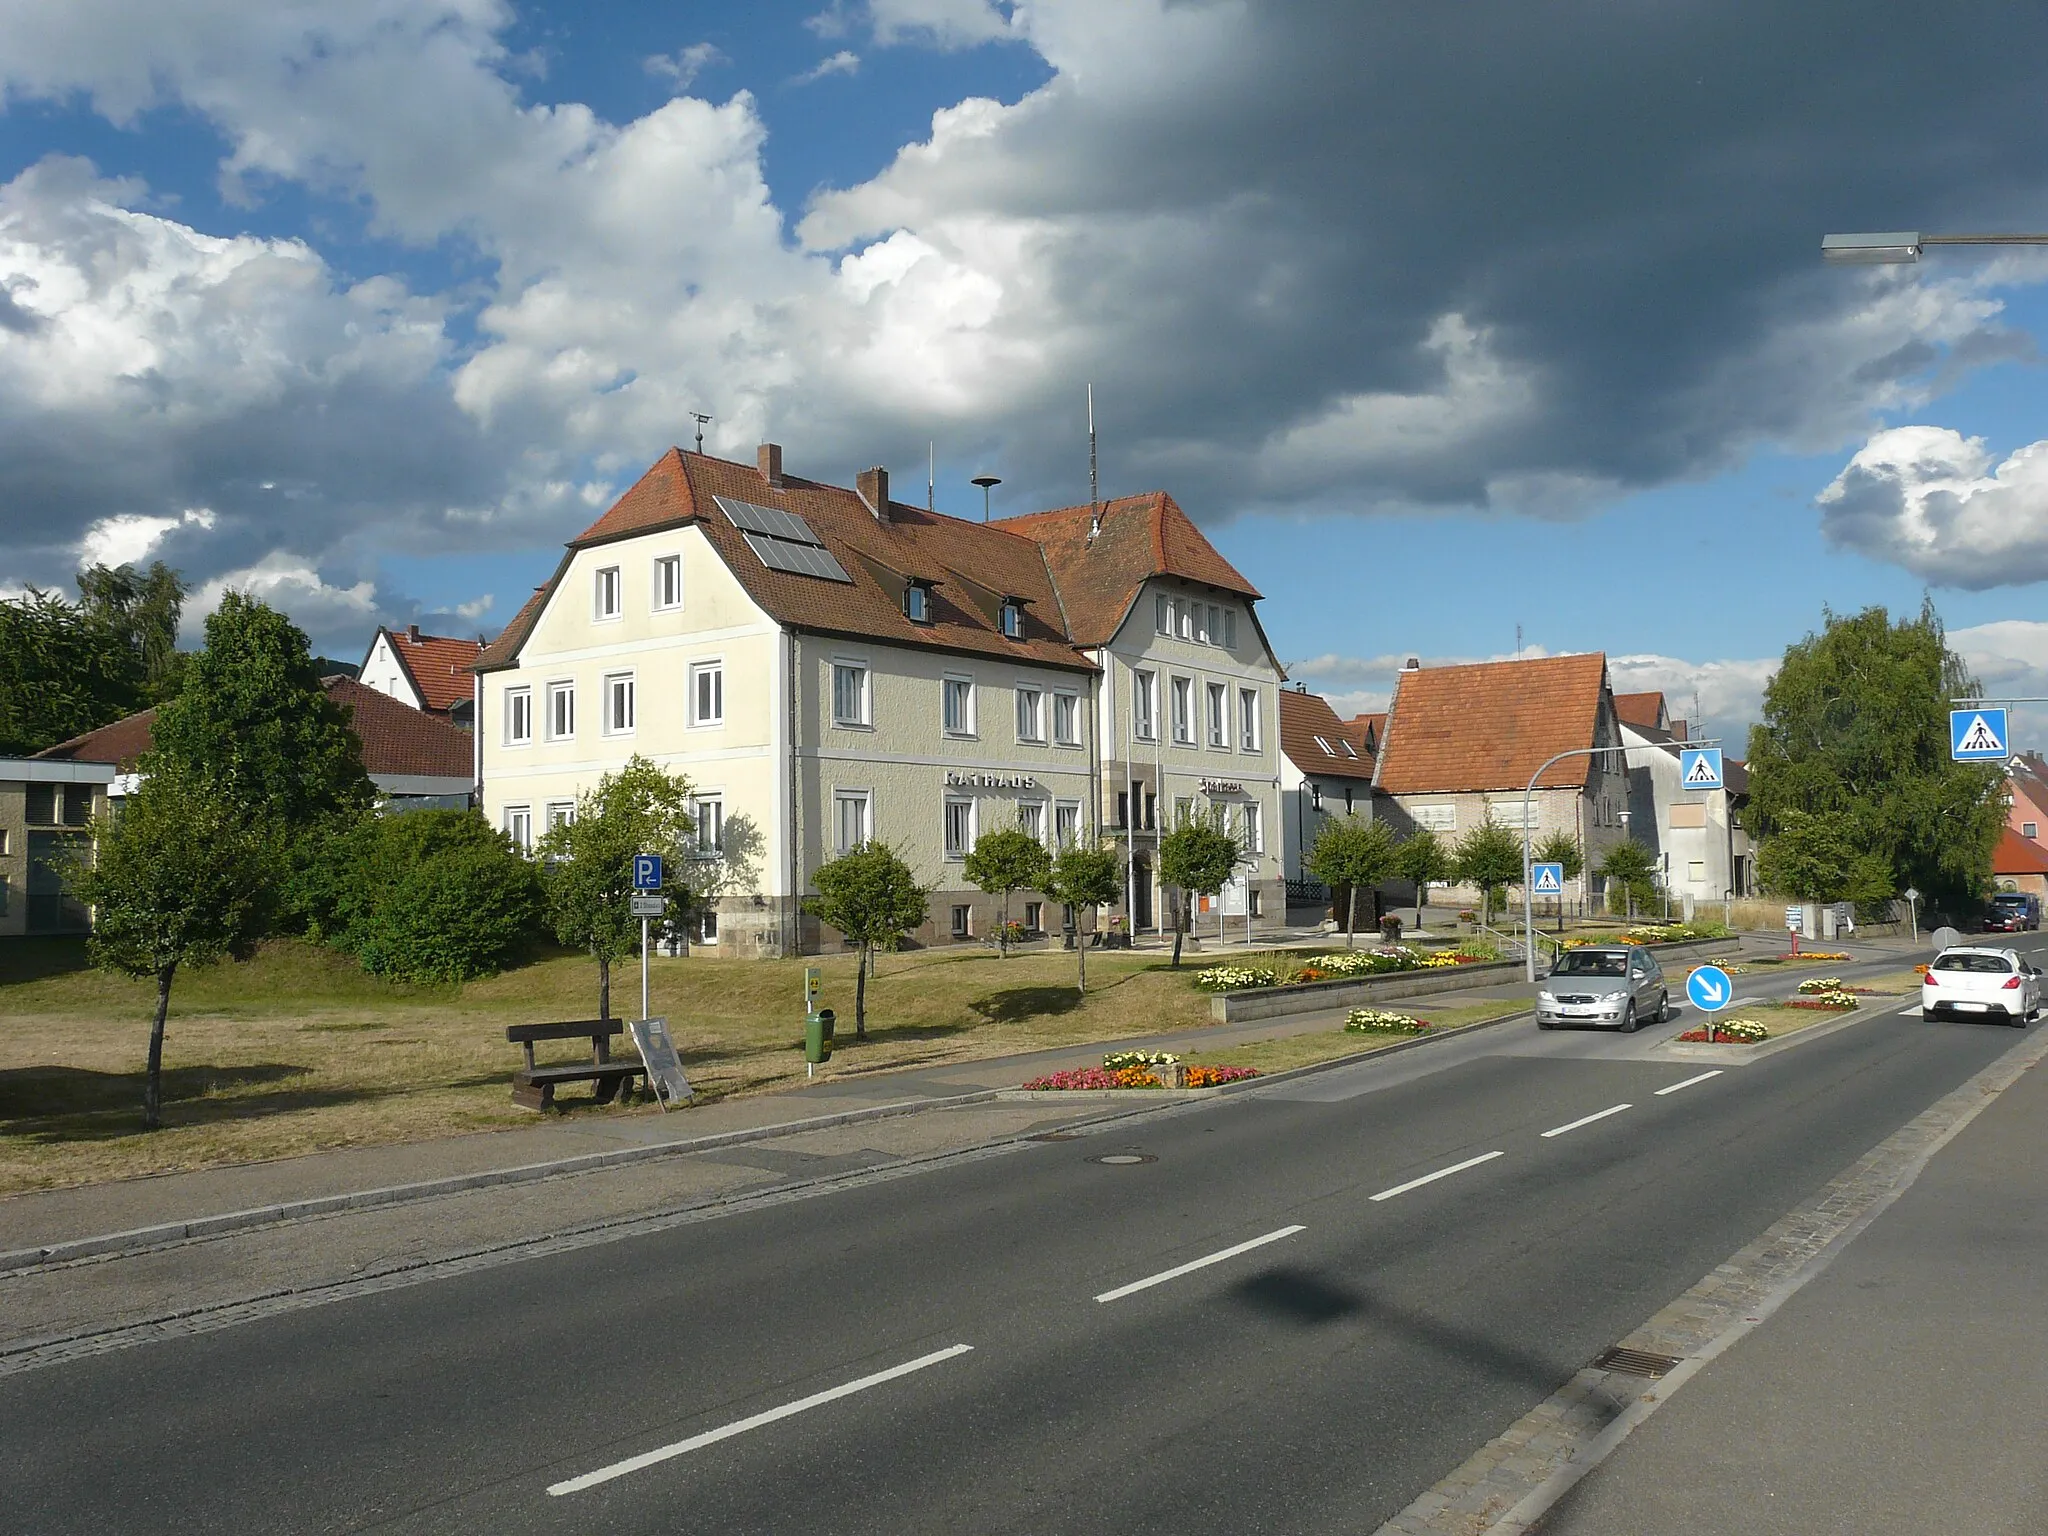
x: 986, y: 482
x: 1902, y: 247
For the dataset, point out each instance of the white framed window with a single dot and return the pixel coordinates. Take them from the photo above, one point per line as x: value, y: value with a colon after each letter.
x: 917, y: 603
x: 1184, y: 711
x: 707, y: 693
x: 956, y: 710
x: 607, y: 598
x: 1031, y: 819
x: 668, y: 582
x: 1696, y: 871
x: 708, y: 811
x: 1249, y: 720
x: 1212, y: 630
x: 1066, y: 823
x: 1254, y: 829
x: 518, y: 716
x: 618, y: 704
x: 959, y: 828
x: 561, y: 711
x: 1184, y: 618
x: 1230, y: 629
x: 1034, y: 913
x: 1030, y: 715
x: 1145, y: 705
x: 560, y: 813
x: 852, y: 822
x: 2027, y: 829
x: 707, y: 926
x: 850, y: 694
x: 1066, y: 719
x: 961, y: 927
x: 1012, y: 620
x: 519, y: 826
x: 1219, y: 715
x: 1183, y: 810
x: 1163, y: 623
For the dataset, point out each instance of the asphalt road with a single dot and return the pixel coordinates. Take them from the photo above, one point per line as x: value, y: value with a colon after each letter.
x: 1314, y: 1382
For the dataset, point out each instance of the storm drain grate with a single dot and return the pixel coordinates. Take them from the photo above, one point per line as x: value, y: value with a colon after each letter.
x: 1635, y: 1362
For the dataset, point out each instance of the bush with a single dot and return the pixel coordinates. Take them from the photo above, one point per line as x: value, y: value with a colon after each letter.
x: 436, y: 896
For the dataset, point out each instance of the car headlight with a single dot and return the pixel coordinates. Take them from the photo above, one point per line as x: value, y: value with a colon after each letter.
x: 1547, y: 997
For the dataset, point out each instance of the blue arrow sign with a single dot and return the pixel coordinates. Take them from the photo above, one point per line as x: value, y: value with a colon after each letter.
x: 1709, y: 989
x: 1976, y: 735
x: 1546, y: 879
x: 646, y: 871
x: 1700, y: 768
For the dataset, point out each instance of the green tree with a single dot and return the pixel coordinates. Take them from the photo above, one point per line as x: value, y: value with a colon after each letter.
x: 587, y: 862
x: 1855, y: 723
x: 63, y: 672
x: 1423, y: 858
x: 1085, y: 875
x: 1490, y: 857
x: 143, y: 608
x: 1354, y: 852
x: 873, y: 899
x: 436, y: 896
x: 178, y: 878
x: 1198, y: 858
x: 1561, y: 847
x: 1634, y: 868
x: 1004, y: 860
x: 1823, y: 858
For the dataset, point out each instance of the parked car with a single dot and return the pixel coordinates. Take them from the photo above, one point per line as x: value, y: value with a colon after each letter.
x: 1981, y: 983
x: 1618, y: 985
x: 2013, y: 912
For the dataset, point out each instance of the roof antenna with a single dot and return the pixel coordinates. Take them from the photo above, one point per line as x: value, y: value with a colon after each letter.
x: 1094, y: 485
x: 700, y: 419
x: 931, y: 477
x: 1518, y: 642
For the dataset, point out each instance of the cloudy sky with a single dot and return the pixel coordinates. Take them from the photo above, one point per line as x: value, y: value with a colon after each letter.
x: 1444, y: 320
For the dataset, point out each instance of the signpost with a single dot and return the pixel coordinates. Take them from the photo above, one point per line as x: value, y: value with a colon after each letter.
x: 647, y: 903
x: 1709, y: 989
x: 1793, y: 918
x: 1700, y: 768
x: 1976, y: 735
x: 664, y: 1066
x: 1913, y: 911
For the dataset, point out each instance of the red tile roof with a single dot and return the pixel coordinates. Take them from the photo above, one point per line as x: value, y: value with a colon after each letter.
x: 397, y: 739
x: 1642, y: 709
x: 439, y: 665
x: 1304, y: 717
x: 1490, y: 726
x: 1367, y: 731
x: 2017, y: 855
x: 972, y: 566
x: 1141, y: 537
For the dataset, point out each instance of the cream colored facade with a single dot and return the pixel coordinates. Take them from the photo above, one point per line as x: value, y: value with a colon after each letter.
x: 1158, y: 764
x: 794, y: 741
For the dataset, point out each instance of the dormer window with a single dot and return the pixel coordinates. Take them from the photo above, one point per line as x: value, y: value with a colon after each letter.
x: 1012, y: 619
x: 917, y: 603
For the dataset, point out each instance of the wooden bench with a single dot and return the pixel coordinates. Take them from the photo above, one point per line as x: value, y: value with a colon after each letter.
x: 534, y: 1086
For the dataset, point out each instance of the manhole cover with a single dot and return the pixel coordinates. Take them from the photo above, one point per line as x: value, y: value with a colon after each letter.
x: 1635, y: 1362
x: 1123, y: 1159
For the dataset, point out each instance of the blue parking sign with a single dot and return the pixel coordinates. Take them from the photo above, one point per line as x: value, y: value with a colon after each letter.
x: 646, y: 871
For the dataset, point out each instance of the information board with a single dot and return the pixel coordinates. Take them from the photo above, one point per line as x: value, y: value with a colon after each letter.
x: 664, y: 1066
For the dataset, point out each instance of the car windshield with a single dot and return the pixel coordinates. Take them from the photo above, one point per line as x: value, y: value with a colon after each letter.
x: 1591, y: 965
x: 2009, y: 903
x: 1991, y: 965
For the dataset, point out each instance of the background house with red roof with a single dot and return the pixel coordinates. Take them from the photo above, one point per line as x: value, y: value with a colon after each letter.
x: 1326, y: 769
x: 2026, y: 787
x: 1461, y: 744
x: 46, y: 813
x: 1697, y: 836
x: 433, y: 673
x: 2020, y: 864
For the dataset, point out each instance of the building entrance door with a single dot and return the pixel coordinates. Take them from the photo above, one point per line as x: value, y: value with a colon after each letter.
x: 1141, y: 895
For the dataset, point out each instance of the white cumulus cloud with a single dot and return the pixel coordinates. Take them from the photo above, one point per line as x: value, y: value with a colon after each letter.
x: 1939, y: 504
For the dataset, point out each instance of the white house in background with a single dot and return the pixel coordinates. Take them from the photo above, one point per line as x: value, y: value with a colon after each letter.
x: 1326, y: 766
x: 1701, y: 849
x: 430, y: 672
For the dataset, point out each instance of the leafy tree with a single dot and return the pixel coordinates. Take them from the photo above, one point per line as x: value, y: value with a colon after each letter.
x: 1634, y: 868
x: 872, y: 898
x: 178, y: 878
x: 1423, y: 858
x: 1352, y: 851
x: 1856, y: 723
x: 587, y: 862
x: 1490, y: 857
x: 1086, y: 875
x: 63, y: 672
x: 1824, y: 858
x: 436, y: 896
x: 1560, y: 847
x: 143, y: 609
x: 1005, y: 860
x: 1197, y: 857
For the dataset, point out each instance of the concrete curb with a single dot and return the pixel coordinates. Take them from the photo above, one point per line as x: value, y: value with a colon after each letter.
x: 427, y: 1189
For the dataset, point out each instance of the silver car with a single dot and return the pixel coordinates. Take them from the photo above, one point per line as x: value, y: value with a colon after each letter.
x: 1616, y: 985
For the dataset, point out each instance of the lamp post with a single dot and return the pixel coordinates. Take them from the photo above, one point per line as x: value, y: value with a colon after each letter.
x: 986, y: 482
x: 1902, y: 247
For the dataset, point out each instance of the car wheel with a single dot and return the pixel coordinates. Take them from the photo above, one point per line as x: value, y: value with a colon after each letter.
x: 1628, y: 1019
x: 1665, y: 1012
x: 2017, y: 1020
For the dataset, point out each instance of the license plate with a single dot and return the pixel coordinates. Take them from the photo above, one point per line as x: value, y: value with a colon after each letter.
x: 1980, y: 1007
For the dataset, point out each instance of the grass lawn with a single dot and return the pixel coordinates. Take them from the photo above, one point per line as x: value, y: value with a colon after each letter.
x: 1288, y: 1051
x: 299, y: 1050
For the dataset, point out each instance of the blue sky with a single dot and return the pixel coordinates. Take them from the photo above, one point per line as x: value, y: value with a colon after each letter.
x: 1439, y: 328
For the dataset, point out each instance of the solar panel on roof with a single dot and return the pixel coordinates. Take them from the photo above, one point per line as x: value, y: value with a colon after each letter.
x: 798, y: 559
x: 777, y: 524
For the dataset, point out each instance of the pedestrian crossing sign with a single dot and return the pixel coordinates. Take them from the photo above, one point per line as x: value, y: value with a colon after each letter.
x: 1546, y: 879
x: 1976, y: 735
x: 1700, y: 768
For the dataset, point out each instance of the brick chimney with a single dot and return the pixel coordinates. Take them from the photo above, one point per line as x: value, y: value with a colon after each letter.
x: 873, y: 485
x: 412, y: 633
x: 769, y: 456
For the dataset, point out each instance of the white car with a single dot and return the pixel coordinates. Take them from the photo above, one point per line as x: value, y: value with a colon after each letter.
x: 1981, y: 983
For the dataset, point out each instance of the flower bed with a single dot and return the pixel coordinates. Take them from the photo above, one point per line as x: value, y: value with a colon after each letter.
x: 1095, y: 1077
x: 1817, y: 954
x: 1816, y: 985
x: 1653, y: 933
x: 1832, y: 1001
x: 1139, y: 1069
x: 1233, y: 978
x: 1216, y: 1077
x: 1117, y: 1061
x: 1729, y: 1032
x: 1380, y: 1019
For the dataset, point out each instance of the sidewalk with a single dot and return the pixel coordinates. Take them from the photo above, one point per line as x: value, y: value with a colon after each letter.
x: 1900, y: 1391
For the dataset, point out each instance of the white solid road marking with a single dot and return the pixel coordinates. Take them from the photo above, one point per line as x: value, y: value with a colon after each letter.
x: 1202, y: 1263
x: 1441, y: 1173
x: 1587, y: 1120
x: 1688, y: 1082
x: 741, y: 1426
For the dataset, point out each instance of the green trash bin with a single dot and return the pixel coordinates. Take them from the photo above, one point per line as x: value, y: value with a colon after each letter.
x: 830, y: 1019
x: 817, y: 1044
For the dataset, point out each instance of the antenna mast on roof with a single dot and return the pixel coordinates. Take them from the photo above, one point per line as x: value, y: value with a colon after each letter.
x: 700, y: 418
x: 931, y: 477
x: 1094, y: 485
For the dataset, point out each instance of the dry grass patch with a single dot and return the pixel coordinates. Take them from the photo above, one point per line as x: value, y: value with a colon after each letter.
x: 298, y: 1050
